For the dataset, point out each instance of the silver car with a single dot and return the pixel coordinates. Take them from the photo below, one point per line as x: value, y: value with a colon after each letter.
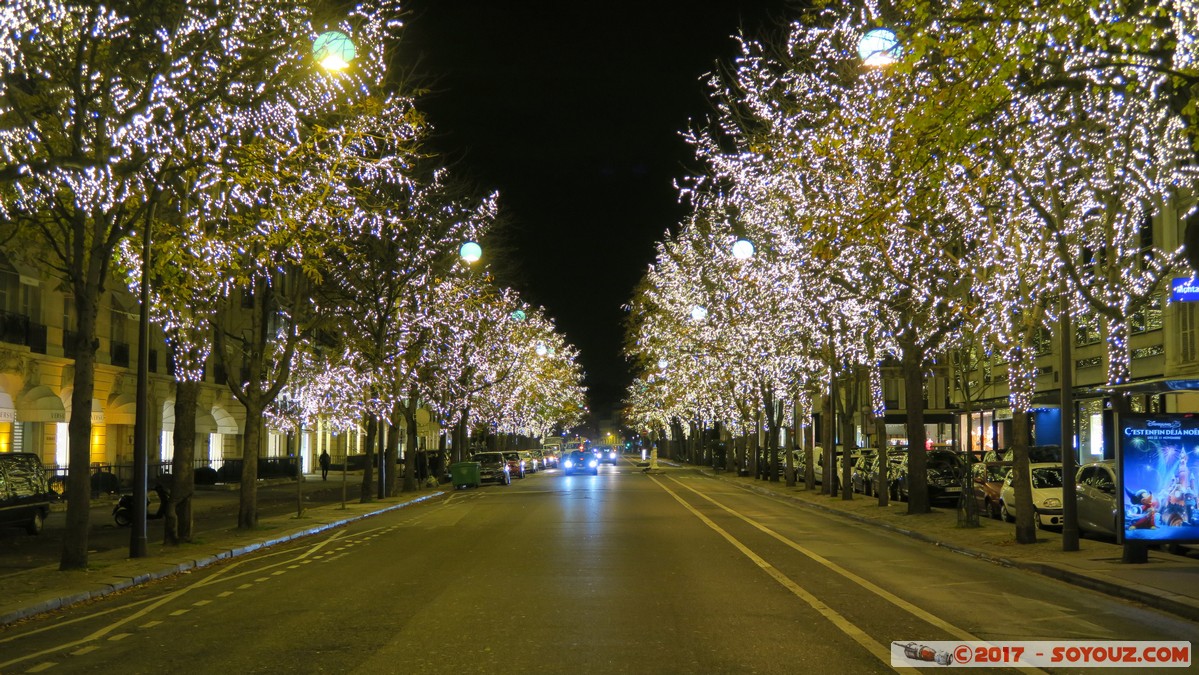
x: 1095, y: 486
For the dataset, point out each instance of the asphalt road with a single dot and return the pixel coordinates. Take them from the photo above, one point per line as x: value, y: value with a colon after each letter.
x: 214, y: 509
x: 619, y: 573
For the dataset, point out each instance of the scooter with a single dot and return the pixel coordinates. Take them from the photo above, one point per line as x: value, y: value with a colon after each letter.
x: 122, y: 513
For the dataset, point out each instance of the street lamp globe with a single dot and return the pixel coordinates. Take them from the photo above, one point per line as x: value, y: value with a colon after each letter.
x: 334, y: 50
x: 699, y: 313
x: 663, y: 363
x: 743, y: 249
x: 471, y: 252
x: 878, y: 47
x: 542, y: 350
x: 518, y: 315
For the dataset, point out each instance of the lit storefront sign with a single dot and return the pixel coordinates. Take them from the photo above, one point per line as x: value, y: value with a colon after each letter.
x: 1184, y: 289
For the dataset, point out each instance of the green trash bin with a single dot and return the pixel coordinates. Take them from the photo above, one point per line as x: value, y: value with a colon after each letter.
x: 465, y: 474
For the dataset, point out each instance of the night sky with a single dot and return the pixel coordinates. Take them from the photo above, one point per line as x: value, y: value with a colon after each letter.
x: 573, y: 111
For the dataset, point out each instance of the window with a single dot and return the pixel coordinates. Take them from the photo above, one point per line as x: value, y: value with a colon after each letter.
x: 1086, y: 332
x: 1042, y: 341
x: 1146, y: 319
x: 1187, y: 323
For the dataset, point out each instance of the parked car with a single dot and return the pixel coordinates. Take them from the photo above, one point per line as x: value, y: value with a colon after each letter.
x: 531, y: 460
x: 493, y: 466
x: 1045, y: 454
x: 863, y: 469
x: 24, y: 492
x: 987, y: 483
x: 1095, y: 492
x: 797, y: 460
x: 580, y: 461
x: 945, y: 472
x: 1046, y: 480
x: 549, y: 457
x: 895, y: 456
x: 516, y: 464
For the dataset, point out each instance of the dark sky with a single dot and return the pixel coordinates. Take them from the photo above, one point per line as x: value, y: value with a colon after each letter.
x: 573, y: 111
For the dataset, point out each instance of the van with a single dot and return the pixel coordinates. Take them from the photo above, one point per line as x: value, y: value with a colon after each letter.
x: 24, y: 492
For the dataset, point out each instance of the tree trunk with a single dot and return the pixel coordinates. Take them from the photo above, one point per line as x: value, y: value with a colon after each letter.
x: 79, y: 432
x: 830, y: 441
x: 1026, y: 529
x: 183, y: 475
x: 884, y: 463
x: 809, y: 461
x: 913, y: 381
x: 410, y: 449
x: 251, y: 450
x: 848, y: 441
x: 368, y: 471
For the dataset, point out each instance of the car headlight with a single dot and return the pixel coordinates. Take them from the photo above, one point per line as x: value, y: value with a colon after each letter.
x: 612, y: 455
x: 593, y: 464
x: 569, y: 463
x: 1052, y: 503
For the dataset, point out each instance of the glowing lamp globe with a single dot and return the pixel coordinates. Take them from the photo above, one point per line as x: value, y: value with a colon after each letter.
x: 878, y: 47
x: 699, y: 313
x: 471, y: 252
x: 542, y: 350
x: 662, y: 363
x: 334, y: 50
x: 743, y: 249
x: 518, y: 315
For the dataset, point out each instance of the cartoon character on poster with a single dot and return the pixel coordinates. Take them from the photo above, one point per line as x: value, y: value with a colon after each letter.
x: 1160, y: 461
x: 1178, y: 498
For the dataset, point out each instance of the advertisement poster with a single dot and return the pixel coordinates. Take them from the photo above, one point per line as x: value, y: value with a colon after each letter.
x: 1159, y: 469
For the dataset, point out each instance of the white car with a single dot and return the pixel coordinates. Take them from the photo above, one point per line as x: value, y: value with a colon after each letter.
x: 1046, y: 494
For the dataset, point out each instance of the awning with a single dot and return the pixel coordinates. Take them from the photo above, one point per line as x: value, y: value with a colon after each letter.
x: 97, y: 410
x: 28, y: 275
x: 205, y: 423
x: 122, y: 409
x: 8, y: 413
x: 39, y: 404
x: 225, y: 423
x: 1156, y: 385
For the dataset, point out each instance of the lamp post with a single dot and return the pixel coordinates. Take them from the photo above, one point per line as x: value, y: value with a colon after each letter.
x: 141, y: 422
x: 743, y: 249
x: 878, y: 47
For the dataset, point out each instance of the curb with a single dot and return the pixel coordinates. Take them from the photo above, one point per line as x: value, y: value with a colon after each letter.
x: 125, y: 582
x: 1151, y: 598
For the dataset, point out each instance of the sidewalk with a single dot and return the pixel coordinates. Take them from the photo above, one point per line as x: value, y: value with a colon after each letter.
x: 1167, y: 582
x: 45, y: 588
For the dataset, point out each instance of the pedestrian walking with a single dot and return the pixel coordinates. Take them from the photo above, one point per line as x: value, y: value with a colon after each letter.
x: 324, y: 459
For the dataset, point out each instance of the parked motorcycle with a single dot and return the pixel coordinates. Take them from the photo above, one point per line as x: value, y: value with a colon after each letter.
x: 122, y: 512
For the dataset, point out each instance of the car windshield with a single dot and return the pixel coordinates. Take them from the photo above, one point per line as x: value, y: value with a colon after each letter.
x: 579, y: 456
x: 1047, y: 477
x: 486, y: 459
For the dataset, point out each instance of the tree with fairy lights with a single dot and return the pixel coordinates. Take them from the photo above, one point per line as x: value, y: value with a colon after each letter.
x: 814, y: 142
x: 90, y: 134
x: 1070, y: 152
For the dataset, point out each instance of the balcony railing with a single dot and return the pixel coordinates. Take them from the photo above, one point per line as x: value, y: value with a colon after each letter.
x: 18, y: 329
x: 119, y: 354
